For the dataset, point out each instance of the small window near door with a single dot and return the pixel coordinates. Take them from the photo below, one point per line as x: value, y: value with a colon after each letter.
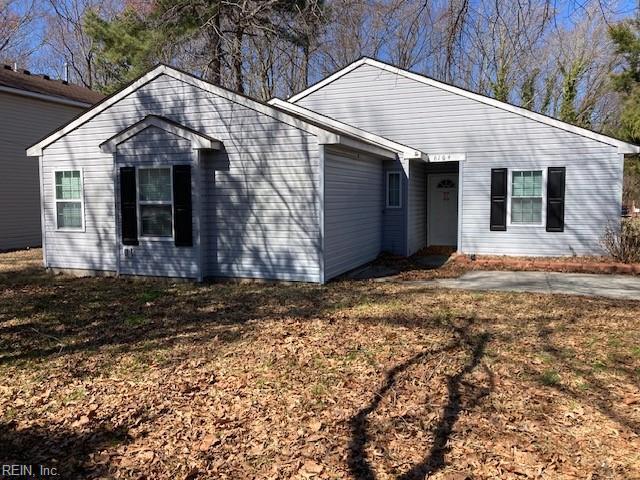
x: 526, y: 197
x: 155, y: 202
x: 69, y: 200
x: 446, y: 184
x: 394, y: 190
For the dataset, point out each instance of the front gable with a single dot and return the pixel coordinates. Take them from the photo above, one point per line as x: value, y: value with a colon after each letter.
x: 433, y: 116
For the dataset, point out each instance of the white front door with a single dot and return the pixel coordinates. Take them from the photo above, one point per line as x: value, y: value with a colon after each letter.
x: 442, y: 209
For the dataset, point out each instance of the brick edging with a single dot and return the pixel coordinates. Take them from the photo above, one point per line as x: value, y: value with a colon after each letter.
x: 573, y: 267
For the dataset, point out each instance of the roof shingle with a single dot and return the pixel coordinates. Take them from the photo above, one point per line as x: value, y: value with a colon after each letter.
x: 24, y: 80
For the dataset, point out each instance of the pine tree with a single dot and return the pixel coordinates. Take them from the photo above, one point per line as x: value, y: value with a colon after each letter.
x: 125, y: 45
x: 626, y: 37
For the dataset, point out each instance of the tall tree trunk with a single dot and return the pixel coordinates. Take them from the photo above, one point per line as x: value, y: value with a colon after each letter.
x: 305, y: 64
x: 237, y: 60
x: 214, y: 67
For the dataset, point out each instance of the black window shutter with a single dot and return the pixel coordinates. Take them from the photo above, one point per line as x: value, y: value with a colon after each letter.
x: 555, y: 199
x: 498, y: 222
x: 182, y: 206
x: 128, y: 211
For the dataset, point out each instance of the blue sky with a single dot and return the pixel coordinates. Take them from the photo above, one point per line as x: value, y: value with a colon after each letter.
x: 42, y: 60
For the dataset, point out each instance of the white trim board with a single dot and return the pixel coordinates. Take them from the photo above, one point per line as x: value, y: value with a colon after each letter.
x: 325, y: 136
x: 197, y: 139
x: 623, y: 147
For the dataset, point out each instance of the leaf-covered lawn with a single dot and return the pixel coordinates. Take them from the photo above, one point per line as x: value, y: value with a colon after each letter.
x: 118, y: 378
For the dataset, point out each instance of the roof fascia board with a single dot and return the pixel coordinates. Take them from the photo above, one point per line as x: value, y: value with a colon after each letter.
x: 350, y: 142
x: 36, y: 150
x: 198, y: 141
x: 329, y: 79
x: 623, y: 147
x: 44, y: 97
x: 407, y: 152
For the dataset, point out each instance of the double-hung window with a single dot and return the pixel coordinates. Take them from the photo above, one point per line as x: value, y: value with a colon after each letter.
x: 155, y: 202
x: 69, y: 201
x: 394, y: 190
x: 526, y: 197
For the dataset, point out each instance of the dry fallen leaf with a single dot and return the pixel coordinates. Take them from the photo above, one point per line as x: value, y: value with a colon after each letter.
x: 315, y: 425
x: 312, y: 467
x: 206, y: 443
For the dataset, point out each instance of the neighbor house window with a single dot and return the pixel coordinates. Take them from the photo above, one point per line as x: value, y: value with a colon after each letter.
x: 393, y: 190
x: 155, y: 202
x: 526, y: 197
x: 69, y: 200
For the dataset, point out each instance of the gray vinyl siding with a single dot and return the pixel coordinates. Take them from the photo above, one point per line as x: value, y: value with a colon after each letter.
x: 353, y: 196
x: 436, y: 121
x: 259, y: 212
x: 394, y: 239
x: 23, y: 121
x: 417, y: 221
x: 154, y: 147
x: 592, y: 201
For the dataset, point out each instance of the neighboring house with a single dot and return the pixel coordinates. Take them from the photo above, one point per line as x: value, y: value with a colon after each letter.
x: 31, y: 106
x: 173, y: 176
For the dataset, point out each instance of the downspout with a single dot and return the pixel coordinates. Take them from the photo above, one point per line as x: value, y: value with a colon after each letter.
x: 116, y: 211
x: 321, y: 250
x: 406, y: 166
x: 199, y: 189
x: 43, y: 228
x: 461, y: 163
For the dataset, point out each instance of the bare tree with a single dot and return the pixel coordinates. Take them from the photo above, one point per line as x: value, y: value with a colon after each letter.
x: 16, y: 22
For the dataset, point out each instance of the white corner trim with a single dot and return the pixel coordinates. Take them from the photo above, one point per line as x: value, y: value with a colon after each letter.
x: 623, y: 147
x: 406, y: 151
x: 198, y: 141
x: 44, y: 97
x: 284, y: 117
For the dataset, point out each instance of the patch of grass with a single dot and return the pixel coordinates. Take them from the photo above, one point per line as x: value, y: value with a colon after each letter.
x: 614, y: 342
x: 150, y: 295
x: 135, y: 320
x: 599, y: 366
x: 550, y: 378
x: 635, y: 351
x: 74, y: 396
x: 319, y: 390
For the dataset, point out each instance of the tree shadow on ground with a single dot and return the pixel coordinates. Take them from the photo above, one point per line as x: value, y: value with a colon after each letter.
x: 598, y: 393
x: 64, y: 450
x: 360, y: 466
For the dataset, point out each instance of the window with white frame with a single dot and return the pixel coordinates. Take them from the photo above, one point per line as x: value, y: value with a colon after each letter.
x: 69, y: 207
x: 526, y: 197
x: 155, y: 202
x: 394, y: 190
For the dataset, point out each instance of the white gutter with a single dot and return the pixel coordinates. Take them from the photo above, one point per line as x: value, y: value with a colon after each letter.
x: 42, y: 96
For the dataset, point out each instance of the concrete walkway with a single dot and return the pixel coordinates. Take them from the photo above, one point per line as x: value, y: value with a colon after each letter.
x: 625, y: 287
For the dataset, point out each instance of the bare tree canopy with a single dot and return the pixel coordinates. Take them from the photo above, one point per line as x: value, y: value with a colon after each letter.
x: 555, y: 57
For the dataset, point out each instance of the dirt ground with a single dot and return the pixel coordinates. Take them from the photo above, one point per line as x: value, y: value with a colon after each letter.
x: 117, y: 378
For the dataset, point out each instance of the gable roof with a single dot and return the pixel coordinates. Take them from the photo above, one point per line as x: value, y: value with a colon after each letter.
x: 408, y: 152
x: 326, y: 134
x: 623, y: 147
x: 199, y: 140
x: 24, y: 82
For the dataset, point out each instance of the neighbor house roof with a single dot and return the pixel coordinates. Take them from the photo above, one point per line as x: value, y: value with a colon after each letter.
x: 26, y: 83
x: 327, y: 134
x: 623, y: 147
